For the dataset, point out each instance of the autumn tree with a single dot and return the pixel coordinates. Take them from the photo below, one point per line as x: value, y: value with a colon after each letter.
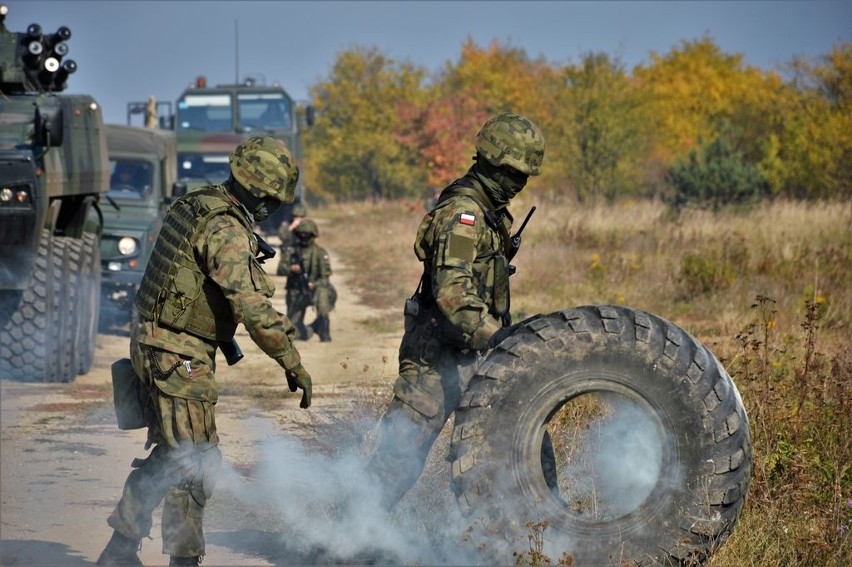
x: 352, y: 150
x: 811, y: 151
x: 605, y: 132
x: 695, y: 89
x: 483, y: 82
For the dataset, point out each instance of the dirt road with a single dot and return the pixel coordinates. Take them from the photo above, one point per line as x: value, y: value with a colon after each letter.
x: 64, y: 461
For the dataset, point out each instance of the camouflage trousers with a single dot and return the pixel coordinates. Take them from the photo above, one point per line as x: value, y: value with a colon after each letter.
x: 180, y: 471
x: 298, y: 302
x: 432, y: 378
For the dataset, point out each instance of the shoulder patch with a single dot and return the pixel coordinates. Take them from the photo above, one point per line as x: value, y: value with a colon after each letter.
x: 467, y: 218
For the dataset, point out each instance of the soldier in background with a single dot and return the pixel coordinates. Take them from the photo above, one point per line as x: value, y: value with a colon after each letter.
x: 288, y: 239
x: 308, y: 283
x: 203, y: 279
x: 461, y: 306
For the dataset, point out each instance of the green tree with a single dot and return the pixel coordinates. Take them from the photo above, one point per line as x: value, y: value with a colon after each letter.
x: 605, y: 131
x: 715, y: 175
x: 352, y: 150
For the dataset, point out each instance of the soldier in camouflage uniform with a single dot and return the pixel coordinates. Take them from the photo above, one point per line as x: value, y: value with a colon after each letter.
x: 288, y: 239
x: 461, y: 307
x: 203, y: 279
x: 308, y: 283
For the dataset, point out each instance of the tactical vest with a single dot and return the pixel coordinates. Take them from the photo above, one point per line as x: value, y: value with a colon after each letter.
x: 174, y: 291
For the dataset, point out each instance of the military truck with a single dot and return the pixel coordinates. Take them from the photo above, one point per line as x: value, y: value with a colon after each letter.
x: 210, y: 121
x: 143, y: 182
x: 53, y: 170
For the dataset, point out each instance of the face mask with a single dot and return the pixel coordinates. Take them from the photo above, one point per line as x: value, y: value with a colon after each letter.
x: 259, y: 208
x: 501, y: 183
x: 264, y: 208
x: 511, y: 180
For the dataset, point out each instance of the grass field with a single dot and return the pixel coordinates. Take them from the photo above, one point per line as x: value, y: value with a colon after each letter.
x: 769, y: 291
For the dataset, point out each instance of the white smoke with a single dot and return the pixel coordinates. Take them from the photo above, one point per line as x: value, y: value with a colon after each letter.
x: 628, y: 458
x: 611, y: 459
x: 330, y: 504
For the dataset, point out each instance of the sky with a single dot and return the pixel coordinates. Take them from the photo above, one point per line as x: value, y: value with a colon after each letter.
x: 129, y: 50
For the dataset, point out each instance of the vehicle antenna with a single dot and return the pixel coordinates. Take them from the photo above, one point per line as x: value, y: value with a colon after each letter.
x: 236, y: 51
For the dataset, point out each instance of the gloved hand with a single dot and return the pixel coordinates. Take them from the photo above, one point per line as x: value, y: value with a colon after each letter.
x: 501, y: 334
x: 298, y: 377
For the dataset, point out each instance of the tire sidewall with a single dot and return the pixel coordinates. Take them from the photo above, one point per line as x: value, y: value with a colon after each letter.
x: 601, y: 349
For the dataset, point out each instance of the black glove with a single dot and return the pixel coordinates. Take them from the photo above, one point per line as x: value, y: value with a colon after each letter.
x: 501, y: 334
x: 298, y: 377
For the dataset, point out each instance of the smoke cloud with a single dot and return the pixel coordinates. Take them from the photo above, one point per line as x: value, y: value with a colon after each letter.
x: 331, y: 506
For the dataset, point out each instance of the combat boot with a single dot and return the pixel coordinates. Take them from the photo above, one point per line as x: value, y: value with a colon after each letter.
x: 175, y: 561
x: 120, y: 550
x: 304, y: 332
x: 321, y: 326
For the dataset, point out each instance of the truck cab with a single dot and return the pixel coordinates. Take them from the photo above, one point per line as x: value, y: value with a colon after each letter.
x: 143, y: 182
x: 210, y: 121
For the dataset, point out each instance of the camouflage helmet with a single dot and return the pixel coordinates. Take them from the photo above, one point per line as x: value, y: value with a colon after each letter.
x: 299, y: 209
x: 510, y: 139
x: 307, y: 226
x: 266, y: 168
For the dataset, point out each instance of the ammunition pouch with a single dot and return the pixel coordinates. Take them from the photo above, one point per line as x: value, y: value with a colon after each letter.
x: 129, y: 396
x: 417, y: 399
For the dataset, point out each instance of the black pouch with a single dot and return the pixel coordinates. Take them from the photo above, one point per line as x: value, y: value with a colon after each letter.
x: 412, y: 312
x: 128, y: 396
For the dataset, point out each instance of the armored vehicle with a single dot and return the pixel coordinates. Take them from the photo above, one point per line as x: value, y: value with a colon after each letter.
x: 53, y: 170
x: 143, y: 182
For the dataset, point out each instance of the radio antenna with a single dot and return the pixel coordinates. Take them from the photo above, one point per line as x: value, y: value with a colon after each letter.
x: 236, y: 51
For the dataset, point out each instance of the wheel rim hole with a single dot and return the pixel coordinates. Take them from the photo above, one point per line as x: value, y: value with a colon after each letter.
x: 602, y: 455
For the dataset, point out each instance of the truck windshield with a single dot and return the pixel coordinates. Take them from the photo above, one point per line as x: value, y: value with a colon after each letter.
x: 210, y: 168
x: 130, y: 179
x: 205, y: 113
x: 264, y: 111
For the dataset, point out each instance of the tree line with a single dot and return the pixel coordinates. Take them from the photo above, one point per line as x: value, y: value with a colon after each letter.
x: 694, y: 126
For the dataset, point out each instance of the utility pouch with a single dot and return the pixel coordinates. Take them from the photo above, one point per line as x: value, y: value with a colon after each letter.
x: 411, y: 312
x: 128, y: 395
x: 412, y: 307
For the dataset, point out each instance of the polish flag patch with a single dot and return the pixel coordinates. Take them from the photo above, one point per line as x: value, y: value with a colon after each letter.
x: 467, y: 218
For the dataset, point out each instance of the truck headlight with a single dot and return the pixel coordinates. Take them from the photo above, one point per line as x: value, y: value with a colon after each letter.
x: 128, y: 246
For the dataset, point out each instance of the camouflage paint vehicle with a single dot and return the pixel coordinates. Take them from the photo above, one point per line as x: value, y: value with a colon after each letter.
x: 143, y: 182
x: 53, y: 170
x: 211, y: 121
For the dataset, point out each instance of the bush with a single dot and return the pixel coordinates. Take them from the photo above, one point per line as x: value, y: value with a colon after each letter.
x: 715, y: 175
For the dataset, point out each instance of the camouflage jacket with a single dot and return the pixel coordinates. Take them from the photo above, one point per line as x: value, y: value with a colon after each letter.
x: 465, y: 265
x: 225, y: 251
x: 317, y: 266
x: 288, y: 239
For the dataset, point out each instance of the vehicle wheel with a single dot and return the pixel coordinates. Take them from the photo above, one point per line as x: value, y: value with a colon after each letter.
x: 87, y: 323
x: 68, y: 253
x: 27, y: 330
x: 648, y: 440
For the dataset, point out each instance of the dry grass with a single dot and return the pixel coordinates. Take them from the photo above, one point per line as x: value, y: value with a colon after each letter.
x: 769, y: 291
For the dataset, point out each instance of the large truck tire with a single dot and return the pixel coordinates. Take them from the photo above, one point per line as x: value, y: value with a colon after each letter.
x: 90, y: 286
x: 68, y: 253
x: 609, y: 432
x: 27, y: 328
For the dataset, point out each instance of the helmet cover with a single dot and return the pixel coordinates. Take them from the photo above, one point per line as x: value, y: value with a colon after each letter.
x: 510, y: 139
x: 266, y: 168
